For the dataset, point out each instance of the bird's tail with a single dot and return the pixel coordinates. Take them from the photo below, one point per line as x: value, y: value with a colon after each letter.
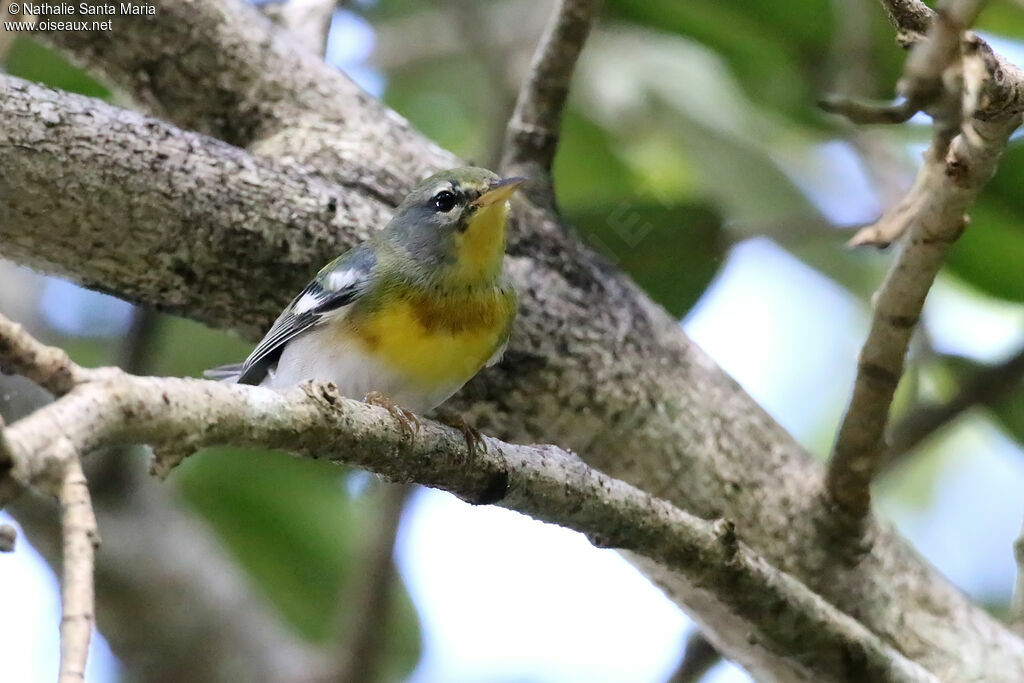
x: 225, y: 373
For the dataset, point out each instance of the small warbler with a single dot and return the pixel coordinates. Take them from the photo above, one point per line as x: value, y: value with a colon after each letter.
x: 410, y: 315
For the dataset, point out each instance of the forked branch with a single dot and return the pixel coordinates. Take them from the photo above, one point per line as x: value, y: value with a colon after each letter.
x: 962, y: 158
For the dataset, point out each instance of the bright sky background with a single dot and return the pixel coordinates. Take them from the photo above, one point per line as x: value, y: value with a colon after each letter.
x: 505, y: 598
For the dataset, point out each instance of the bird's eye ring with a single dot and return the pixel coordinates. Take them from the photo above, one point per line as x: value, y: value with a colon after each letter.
x: 444, y: 201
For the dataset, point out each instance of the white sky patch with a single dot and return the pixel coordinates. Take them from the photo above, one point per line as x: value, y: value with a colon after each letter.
x: 74, y: 310
x: 350, y: 43
x: 972, y: 514
x: 504, y: 597
x: 833, y: 178
x: 30, y: 620
x: 966, y: 323
x: 779, y: 327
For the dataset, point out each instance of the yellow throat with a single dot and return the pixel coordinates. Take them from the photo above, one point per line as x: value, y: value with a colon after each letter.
x: 480, y: 249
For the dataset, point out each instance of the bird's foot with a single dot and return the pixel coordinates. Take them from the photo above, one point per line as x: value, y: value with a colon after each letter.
x: 407, y: 419
x: 474, y: 439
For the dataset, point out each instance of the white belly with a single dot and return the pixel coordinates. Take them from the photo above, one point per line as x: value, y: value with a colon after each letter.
x: 311, y: 357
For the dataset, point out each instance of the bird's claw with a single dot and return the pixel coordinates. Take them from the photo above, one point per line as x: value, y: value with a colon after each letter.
x: 407, y: 420
x: 474, y: 439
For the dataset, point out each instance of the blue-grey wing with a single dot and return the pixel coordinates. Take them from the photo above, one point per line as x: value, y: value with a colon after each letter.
x: 336, y: 286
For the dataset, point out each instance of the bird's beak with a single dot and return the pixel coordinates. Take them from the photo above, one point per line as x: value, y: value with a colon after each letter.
x: 498, y: 191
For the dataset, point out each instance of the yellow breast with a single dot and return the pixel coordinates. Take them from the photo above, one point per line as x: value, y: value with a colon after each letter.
x: 436, y: 343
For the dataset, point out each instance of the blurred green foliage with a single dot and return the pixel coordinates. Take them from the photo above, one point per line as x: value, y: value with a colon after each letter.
x: 1008, y: 410
x: 29, y: 60
x: 652, y: 241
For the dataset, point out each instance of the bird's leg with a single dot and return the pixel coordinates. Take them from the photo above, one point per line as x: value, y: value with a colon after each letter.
x: 408, y: 420
x: 474, y: 439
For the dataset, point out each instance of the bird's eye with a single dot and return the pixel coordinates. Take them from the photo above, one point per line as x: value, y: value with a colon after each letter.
x: 444, y: 201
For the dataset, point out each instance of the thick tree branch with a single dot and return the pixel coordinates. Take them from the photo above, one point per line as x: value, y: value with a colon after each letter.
x: 200, y: 214
x: 531, y: 137
x: 593, y: 364
x: 954, y: 172
x: 221, y: 68
x: 543, y: 481
x: 78, y: 612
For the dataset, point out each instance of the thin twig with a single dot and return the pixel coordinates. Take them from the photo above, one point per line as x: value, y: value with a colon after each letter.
x: 909, y: 16
x: 922, y: 87
x: 81, y: 537
x: 984, y: 387
x: 1002, y: 92
x: 365, y: 620
x: 5, y: 450
x: 9, y: 489
x: 47, y: 366
x: 531, y: 137
x: 698, y: 658
x: 8, y: 537
x: 137, y: 344
x: 954, y: 171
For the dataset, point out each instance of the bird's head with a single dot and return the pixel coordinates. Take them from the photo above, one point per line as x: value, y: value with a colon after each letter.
x: 451, y: 227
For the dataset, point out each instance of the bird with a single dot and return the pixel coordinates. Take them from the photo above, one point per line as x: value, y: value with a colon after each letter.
x: 409, y: 316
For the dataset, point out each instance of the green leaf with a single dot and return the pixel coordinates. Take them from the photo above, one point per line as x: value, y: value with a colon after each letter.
x: 182, y: 347
x: 673, y: 252
x: 287, y: 521
x: 767, y: 64
x: 29, y: 60
x: 1010, y: 413
x: 454, y: 117
x: 990, y: 253
x: 1002, y: 17
x: 708, y: 126
x: 782, y: 52
x: 586, y: 167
